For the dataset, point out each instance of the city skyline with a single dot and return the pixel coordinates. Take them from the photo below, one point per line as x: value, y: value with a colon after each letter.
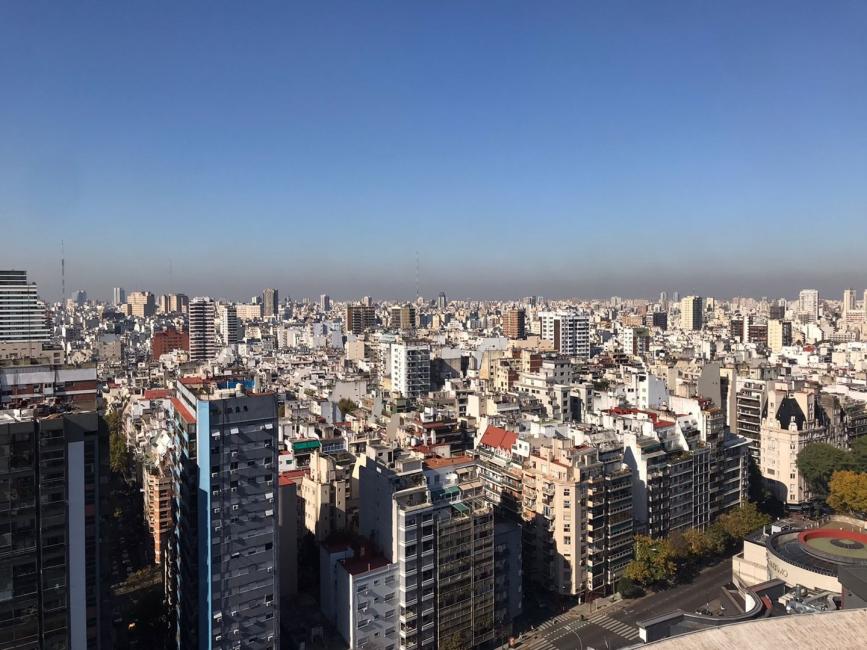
x: 573, y: 150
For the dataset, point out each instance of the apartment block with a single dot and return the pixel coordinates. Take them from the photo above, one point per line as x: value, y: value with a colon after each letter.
x: 22, y: 316
x: 52, y: 559
x: 330, y: 494
x: 225, y: 573
x: 410, y: 369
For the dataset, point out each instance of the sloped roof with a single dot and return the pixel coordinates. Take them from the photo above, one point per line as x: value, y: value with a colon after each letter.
x: 498, y: 438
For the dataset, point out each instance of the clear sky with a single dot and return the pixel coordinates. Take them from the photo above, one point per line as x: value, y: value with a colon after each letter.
x: 554, y: 148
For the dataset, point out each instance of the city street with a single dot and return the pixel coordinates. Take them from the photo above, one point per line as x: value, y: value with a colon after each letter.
x: 614, y: 627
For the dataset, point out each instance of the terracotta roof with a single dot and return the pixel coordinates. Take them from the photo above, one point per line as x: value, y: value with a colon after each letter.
x: 499, y: 438
x: 183, y: 411
x: 437, y: 461
x: 156, y: 393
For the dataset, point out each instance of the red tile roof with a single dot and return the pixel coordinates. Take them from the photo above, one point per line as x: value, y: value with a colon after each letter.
x: 183, y: 411
x: 499, y: 438
x: 156, y: 393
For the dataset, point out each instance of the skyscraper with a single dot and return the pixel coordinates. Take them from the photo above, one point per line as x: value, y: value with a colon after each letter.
x: 270, y: 303
x: 118, y: 296
x: 325, y: 302
x: 808, y: 304
x: 691, y: 313
x: 203, y: 344
x: 442, y: 301
x: 22, y: 316
x: 849, y: 302
x: 225, y: 563
x: 51, y: 564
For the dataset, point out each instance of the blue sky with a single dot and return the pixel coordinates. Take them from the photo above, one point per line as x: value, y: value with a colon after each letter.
x: 563, y: 149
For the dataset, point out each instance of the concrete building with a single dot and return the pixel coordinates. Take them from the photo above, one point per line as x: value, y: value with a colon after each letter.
x: 577, y: 512
x: 53, y: 565
x: 141, y: 304
x: 325, y: 302
x: 779, y: 335
x: 691, y: 313
x: 403, y: 318
x: 568, y: 331
x: 433, y: 523
x: 360, y: 318
x: 42, y: 385
x: 158, y: 495
x: 330, y: 494
x: 248, y: 311
x: 118, y: 296
x: 225, y: 573
x: 808, y: 305
x: 203, y: 340
x: 168, y: 340
x: 270, y: 303
x: 795, y: 418
x: 229, y: 325
x: 515, y: 324
x: 849, y: 302
x: 22, y: 316
x: 410, y: 369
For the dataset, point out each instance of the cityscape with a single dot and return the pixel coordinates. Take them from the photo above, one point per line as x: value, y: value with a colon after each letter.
x: 433, y: 326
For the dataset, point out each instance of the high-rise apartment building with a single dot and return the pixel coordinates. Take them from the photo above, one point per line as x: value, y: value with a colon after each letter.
x: 808, y: 304
x: 410, y: 369
x: 691, y: 313
x: 178, y: 303
x: 52, y: 560
x: 442, y: 300
x: 330, y: 494
x: 225, y: 573
x: 439, y: 531
x: 270, y: 303
x: 118, y: 296
x: 515, y: 324
x: 203, y: 340
x: 577, y: 512
x: 779, y: 334
x: 403, y: 317
x: 568, y: 331
x: 141, y: 304
x: 325, y: 302
x: 849, y: 302
x: 22, y: 316
x: 360, y: 318
x: 229, y: 324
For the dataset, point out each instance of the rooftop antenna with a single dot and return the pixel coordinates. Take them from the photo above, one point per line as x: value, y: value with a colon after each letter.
x: 417, y: 273
x: 170, y: 274
x: 62, y: 274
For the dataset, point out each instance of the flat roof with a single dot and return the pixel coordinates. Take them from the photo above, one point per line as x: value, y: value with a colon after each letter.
x: 843, y: 630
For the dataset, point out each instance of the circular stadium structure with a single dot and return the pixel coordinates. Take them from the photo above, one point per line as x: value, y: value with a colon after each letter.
x: 808, y: 557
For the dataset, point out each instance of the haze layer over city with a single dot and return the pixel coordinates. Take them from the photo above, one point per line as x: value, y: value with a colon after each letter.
x: 433, y: 325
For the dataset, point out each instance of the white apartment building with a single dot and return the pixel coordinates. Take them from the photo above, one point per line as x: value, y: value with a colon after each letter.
x: 808, y: 304
x: 568, y: 331
x: 22, y: 317
x: 410, y: 369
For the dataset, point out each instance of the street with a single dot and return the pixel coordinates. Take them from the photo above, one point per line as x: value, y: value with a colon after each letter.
x: 614, y: 627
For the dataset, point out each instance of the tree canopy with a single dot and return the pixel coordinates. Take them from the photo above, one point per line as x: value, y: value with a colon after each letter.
x: 817, y: 462
x: 848, y: 491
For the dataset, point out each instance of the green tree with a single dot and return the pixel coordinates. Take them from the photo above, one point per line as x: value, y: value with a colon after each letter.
x: 817, y: 462
x: 741, y: 521
x: 858, y: 458
x: 346, y: 405
x: 628, y: 588
x: 118, y: 453
x: 848, y: 491
x: 654, y: 561
x: 698, y: 544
